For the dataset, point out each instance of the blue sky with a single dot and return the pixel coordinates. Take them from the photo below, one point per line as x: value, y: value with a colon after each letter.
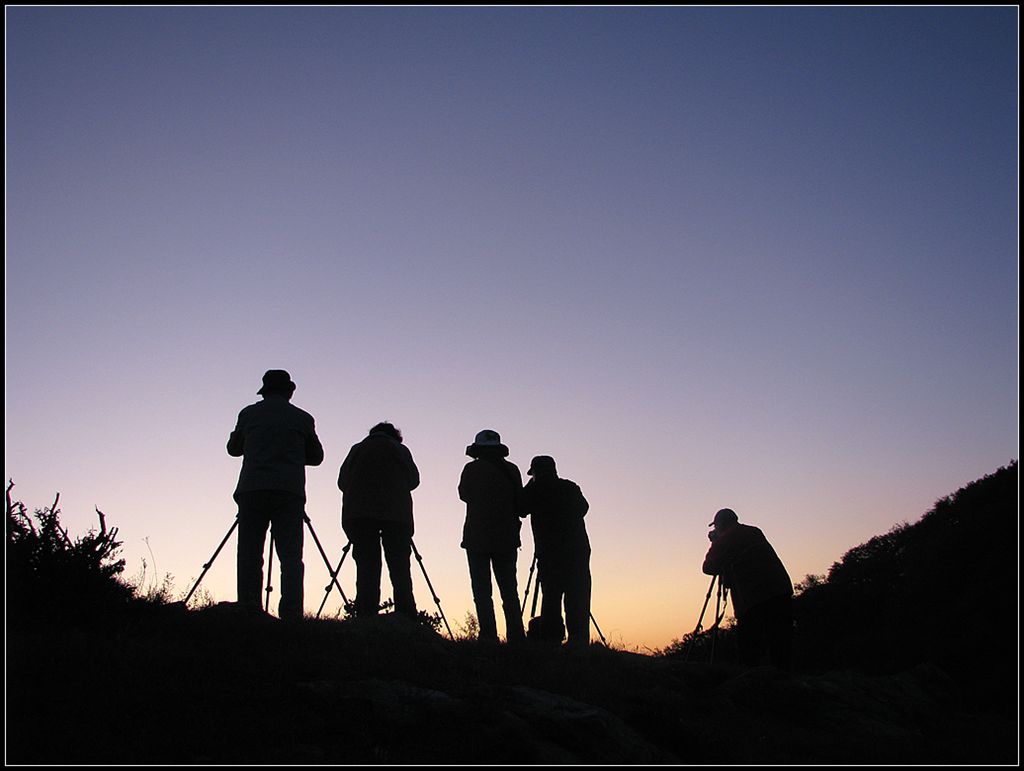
x: 763, y: 258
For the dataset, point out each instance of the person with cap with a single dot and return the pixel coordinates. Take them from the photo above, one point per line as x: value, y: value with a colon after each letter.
x: 276, y: 441
x: 556, y: 508
x: 492, y: 487
x: 762, y: 592
x: 376, y: 480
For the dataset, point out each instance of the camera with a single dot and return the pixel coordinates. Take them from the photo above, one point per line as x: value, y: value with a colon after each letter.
x: 712, y: 534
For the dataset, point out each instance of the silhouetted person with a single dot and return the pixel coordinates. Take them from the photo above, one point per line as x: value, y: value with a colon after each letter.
x: 276, y: 441
x: 557, y: 507
x: 491, y: 487
x: 376, y: 481
x: 762, y: 593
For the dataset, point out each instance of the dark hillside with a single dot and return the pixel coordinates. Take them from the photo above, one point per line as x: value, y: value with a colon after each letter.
x: 216, y: 687
x: 94, y: 677
x: 943, y: 591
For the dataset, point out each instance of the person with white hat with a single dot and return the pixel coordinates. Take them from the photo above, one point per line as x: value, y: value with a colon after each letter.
x: 492, y: 488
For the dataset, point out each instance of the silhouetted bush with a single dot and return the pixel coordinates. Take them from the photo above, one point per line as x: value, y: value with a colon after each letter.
x: 52, y: 579
x: 712, y: 646
x: 432, y: 621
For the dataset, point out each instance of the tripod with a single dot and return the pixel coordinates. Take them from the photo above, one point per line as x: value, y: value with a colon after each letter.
x: 207, y: 566
x: 437, y: 600
x: 270, y: 561
x: 327, y: 589
x: 270, y: 573
x: 720, y: 604
x: 419, y: 559
x: 536, y: 596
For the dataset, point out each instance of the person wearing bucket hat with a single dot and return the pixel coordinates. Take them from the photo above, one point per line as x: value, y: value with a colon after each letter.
x: 762, y: 592
x: 276, y: 441
x: 491, y: 487
x: 376, y: 481
x: 556, y: 508
x: 277, y: 381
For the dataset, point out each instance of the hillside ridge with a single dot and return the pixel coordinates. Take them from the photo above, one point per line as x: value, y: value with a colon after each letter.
x: 154, y: 683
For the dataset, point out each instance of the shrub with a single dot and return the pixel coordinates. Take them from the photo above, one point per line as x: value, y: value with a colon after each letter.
x: 430, y: 620
x: 52, y: 578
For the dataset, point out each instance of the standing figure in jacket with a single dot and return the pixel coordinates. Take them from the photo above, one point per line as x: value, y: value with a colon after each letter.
x: 491, y: 487
x: 276, y: 441
x: 762, y: 593
x: 376, y: 481
x: 556, y: 508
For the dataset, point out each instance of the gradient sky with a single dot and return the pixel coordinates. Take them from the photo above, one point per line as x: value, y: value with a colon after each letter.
x: 763, y: 258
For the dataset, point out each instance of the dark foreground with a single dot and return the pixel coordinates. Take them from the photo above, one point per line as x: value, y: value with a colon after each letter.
x: 219, y: 687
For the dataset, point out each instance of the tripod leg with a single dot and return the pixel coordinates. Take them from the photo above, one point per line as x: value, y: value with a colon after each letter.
x: 330, y: 586
x: 720, y: 603
x: 206, y: 567
x: 437, y: 600
x: 270, y: 568
x: 696, y: 629
x: 594, y: 620
x: 327, y: 562
x: 526, y: 594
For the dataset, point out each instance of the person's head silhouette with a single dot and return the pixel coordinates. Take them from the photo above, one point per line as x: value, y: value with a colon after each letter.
x: 388, y: 429
x: 541, y: 466
x: 277, y: 382
x: 487, y: 443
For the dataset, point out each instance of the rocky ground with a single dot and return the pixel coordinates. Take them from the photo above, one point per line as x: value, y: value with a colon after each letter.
x: 217, y: 686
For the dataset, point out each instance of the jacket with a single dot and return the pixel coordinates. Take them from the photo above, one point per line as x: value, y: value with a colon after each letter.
x: 748, y: 566
x: 276, y: 441
x: 491, y: 487
x: 556, y: 508
x: 377, y: 479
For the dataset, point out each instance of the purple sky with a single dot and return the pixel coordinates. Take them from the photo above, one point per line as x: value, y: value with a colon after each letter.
x: 764, y: 258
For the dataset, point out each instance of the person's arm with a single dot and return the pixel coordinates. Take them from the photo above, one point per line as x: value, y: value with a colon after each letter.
x: 709, y: 567
x: 236, y: 442
x: 345, y: 472
x: 529, y: 498
x: 718, y: 557
x: 519, y: 506
x: 414, y: 473
x: 314, y: 450
x: 465, y: 483
x: 584, y: 504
